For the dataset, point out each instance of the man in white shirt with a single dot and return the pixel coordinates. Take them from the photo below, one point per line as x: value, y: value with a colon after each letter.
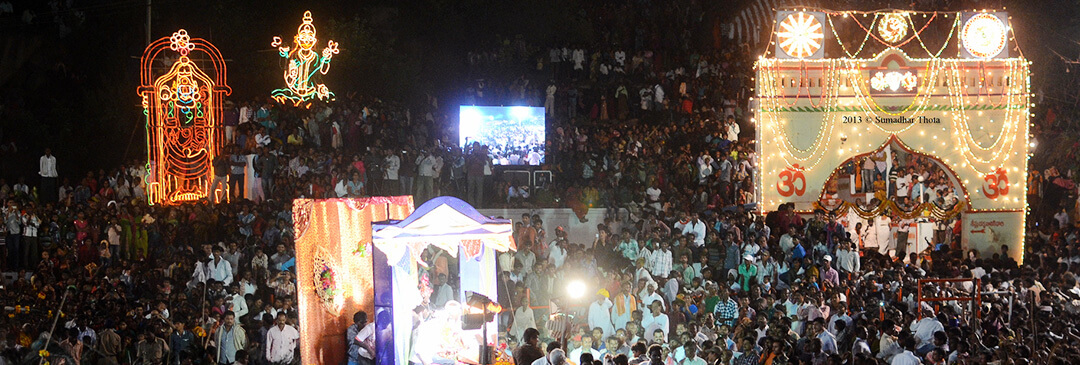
x: 556, y: 253
x: 658, y: 96
x: 883, y: 234
x: 526, y: 257
x: 787, y: 241
x: 426, y: 181
x: 847, y: 258
x: 691, y: 358
x: 653, y: 195
x: 442, y: 292
x: 697, y: 228
x: 907, y: 357
x: 392, y: 163
x: 661, y: 262
x: 47, y: 170
x: 649, y: 295
x: 902, y: 234
x: 246, y: 113
x: 655, y: 320
x: 923, y: 330
x: 586, y: 345
x: 579, y: 65
x: 237, y: 304
x: 600, y: 315
x: 903, y: 183
x: 281, y: 341
x: 1063, y: 218
x: 218, y: 268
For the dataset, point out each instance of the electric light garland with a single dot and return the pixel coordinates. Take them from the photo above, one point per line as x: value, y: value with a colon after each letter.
x: 984, y: 35
x: 183, y: 113
x: 770, y: 76
x: 967, y: 90
x: 892, y: 28
x: 949, y: 75
x: 303, y: 64
x: 801, y: 35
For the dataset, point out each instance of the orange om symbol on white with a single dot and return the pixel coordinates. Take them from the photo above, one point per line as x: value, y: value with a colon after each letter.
x: 997, y: 184
x: 792, y: 181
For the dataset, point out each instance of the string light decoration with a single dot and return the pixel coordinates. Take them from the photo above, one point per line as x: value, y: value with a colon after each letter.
x: 893, y: 27
x: 800, y: 35
x: 182, y: 107
x: 970, y: 112
x: 304, y: 63
x: 983, y: 35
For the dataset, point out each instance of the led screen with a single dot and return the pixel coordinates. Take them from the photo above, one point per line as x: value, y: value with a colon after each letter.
x: 514, y: 135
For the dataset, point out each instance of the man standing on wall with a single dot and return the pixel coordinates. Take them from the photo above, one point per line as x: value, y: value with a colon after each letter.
x: 475, y: 166
x: 47, y: 170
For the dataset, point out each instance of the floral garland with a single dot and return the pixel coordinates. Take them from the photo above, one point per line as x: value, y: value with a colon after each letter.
x: 501, y: 357
x: 887, y: 205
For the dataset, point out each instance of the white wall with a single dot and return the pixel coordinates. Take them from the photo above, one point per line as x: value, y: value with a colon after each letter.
x: 577, y: 232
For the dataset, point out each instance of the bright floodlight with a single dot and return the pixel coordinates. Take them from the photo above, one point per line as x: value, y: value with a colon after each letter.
x: 576, y: 289
x: 521, y: 112
x: 472, y: 121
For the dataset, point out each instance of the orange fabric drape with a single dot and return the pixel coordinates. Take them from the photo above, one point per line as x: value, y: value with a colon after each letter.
x: 335, y: 229
x: 620, y: 299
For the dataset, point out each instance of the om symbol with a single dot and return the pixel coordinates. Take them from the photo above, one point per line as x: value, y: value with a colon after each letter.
x: 792, y: 181
x: 997, y: 184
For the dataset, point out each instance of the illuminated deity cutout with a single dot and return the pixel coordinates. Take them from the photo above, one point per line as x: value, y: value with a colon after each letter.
x: 304, y: 63
x: 183, y: 113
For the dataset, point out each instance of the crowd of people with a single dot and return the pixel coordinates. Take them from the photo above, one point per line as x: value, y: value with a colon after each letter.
x: 649, y: 125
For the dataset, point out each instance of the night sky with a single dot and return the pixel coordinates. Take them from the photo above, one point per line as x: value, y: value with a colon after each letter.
x: 68, y: 78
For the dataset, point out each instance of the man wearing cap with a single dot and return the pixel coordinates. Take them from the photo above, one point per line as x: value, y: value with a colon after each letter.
x: 600, y: 314
x: 747, y: 272
x: 829, y: 275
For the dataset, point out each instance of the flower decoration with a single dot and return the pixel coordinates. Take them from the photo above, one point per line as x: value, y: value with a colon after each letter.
x: 181, y: 42
x: 362, y: 249
x: 326, y: 285
x: 199, y: 331
x: 501, y: 358
x: 43, y: 353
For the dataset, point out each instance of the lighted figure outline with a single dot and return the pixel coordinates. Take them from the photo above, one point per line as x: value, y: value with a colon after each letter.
x: 303, y: 64
x: 183, y: 113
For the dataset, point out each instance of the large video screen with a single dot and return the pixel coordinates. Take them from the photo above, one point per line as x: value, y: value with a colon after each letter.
x: 514, y: 135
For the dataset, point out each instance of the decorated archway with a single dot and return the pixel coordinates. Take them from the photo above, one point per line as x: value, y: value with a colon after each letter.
x: 969, y: 112
x: 895, y: 199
